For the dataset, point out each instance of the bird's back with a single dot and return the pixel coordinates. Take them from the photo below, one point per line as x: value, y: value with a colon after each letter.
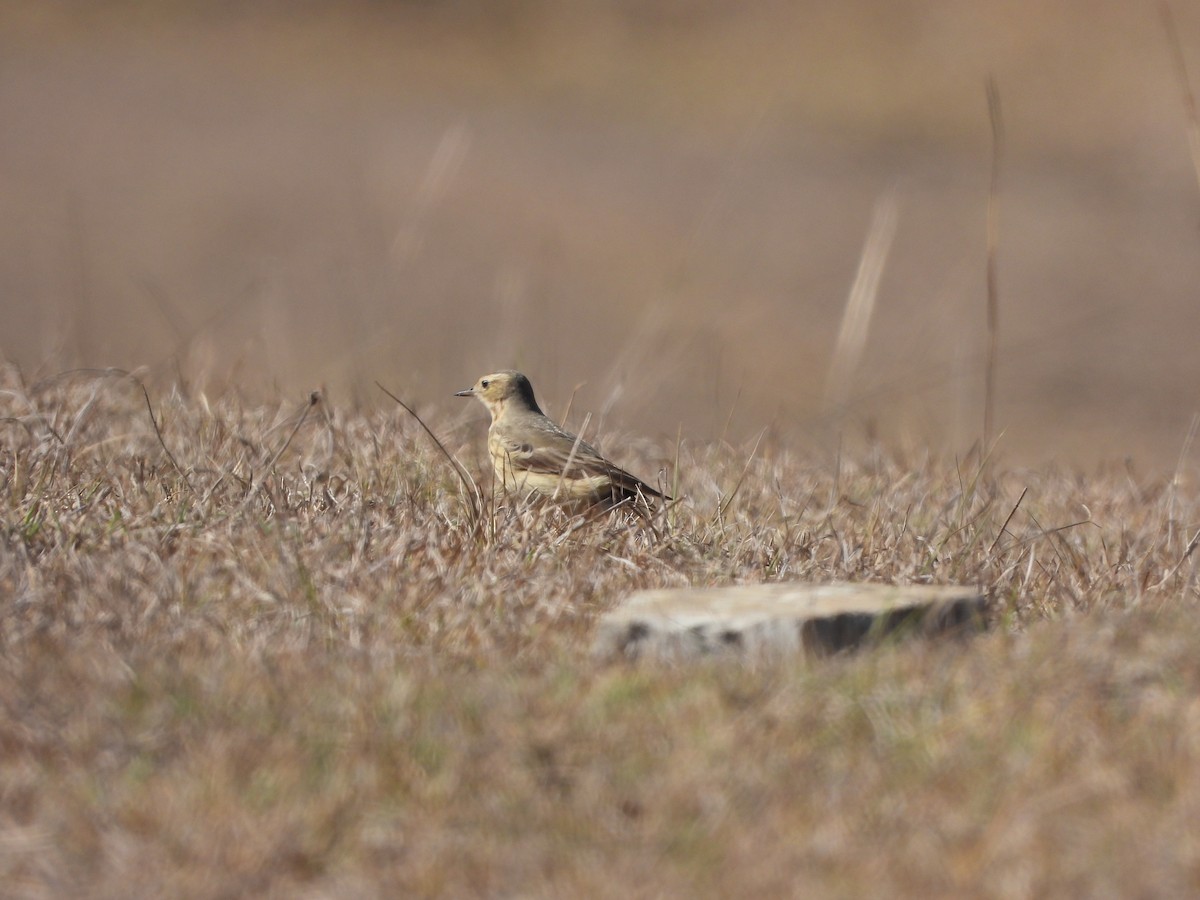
x: 530, y: 451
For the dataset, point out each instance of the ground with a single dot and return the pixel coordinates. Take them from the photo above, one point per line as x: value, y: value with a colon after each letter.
x: 282, y: 651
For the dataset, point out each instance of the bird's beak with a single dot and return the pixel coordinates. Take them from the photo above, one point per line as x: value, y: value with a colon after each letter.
x: 469, y: 392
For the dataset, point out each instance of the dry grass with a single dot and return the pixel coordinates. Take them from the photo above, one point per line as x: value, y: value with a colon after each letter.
x: 294, y: 668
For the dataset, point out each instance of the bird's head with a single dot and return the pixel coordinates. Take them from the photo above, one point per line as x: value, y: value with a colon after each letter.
x: 502, y: 389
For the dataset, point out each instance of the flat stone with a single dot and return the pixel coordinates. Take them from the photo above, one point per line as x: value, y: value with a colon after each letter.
x: 777, y: 620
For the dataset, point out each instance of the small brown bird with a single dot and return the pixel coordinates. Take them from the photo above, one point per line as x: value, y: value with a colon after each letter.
x: 531, y: 454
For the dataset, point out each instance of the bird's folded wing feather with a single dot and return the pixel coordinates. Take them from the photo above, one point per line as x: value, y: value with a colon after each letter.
x: 550, y: 458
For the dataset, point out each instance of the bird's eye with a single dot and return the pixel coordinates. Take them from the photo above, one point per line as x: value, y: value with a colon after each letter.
x: 484, y: 383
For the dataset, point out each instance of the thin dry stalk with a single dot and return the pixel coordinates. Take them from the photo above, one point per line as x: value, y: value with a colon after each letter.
x: 996, y: 118
x: 159, y: 435
x: 729, y: 418
x: 724, y: 506
x: 570, y: 402
x: 1004, y: 527
x: 1187, y: 553
x: 444, y: 165
x: 313, y: 399
x: 1185, y: 85
x: 474, y: 497
x: 571, y: 456
x: 860, y: 303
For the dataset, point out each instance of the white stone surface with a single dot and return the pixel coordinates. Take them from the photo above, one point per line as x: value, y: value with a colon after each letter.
x: 768, y: 620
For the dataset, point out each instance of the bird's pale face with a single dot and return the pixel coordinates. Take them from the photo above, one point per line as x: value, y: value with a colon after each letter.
x: 495, y: 390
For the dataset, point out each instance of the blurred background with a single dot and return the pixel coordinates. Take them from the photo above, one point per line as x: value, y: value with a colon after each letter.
x: 659, y: 206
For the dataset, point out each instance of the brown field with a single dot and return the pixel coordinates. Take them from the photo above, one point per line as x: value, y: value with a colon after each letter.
x: 300, y: 671
x: 255, y: 645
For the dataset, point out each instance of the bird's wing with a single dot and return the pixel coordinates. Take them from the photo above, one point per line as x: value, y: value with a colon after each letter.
x: 552, y: 450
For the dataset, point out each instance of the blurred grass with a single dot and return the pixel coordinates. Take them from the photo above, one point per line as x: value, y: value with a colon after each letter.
x: 313, y: 678
x: 673, y: 196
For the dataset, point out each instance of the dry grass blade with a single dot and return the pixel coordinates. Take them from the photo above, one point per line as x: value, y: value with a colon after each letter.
x: 860, y: 303
x: 443, y: 168
x: 723, y: 508
x: 571, y: 456
x: 1185, y: 450
x: 313, y: 399
x: 996, y: 118
x: 1185, y: 84
x: 162, y: 443
x: 729, y: 418
x: 1004, y: 527
x: 113, y: 373
x: 570, y: 402
x: 474, y: 496
x: 1187, y: 553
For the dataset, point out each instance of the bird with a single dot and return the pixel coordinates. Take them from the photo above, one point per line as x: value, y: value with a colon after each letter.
x: 532, y: 454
